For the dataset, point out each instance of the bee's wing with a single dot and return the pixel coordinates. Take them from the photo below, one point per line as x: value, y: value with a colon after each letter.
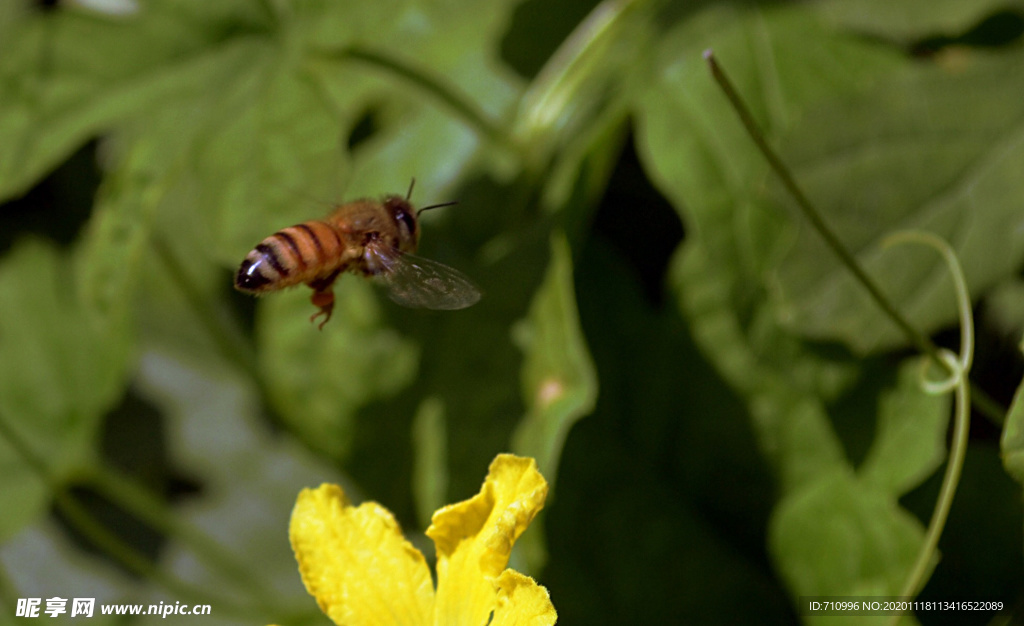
x: 420, y: 283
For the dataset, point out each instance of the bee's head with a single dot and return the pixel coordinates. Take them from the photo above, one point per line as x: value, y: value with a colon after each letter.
x: 405, y: 221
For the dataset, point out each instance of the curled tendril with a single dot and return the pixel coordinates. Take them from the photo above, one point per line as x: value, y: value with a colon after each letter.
x: 938, y: 387
x: 963, y: 300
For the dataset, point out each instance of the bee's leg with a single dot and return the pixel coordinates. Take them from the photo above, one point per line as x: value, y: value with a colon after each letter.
x: 325, y: 301
x: 323, y: 297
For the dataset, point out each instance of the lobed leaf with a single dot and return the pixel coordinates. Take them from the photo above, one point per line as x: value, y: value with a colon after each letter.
x: 559, y: 382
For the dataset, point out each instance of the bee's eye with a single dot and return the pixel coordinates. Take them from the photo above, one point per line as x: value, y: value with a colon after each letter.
x: 406, y: 218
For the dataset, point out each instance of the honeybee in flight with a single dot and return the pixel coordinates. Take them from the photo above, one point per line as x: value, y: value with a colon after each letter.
x: 374, y: 238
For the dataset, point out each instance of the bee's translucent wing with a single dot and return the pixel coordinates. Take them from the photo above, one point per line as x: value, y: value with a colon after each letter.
x: 420, y: 283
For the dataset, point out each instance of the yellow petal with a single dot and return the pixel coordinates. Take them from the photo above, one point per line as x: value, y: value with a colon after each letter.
x: 522, y: 602
x: 474, y: 539
x: 356, y: 563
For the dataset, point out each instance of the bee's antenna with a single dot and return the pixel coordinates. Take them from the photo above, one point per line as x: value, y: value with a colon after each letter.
x: 426, y: 208
x: 435, y: 206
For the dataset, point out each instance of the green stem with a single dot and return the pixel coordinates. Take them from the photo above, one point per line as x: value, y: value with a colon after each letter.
x: 442, y: 90
x: 131, y: 496
x: 569, y: 91
x: 21, y: 449
x: 950, y: 480
x: 960, y: 368
x: 101, y: 537
x: 984, y: 404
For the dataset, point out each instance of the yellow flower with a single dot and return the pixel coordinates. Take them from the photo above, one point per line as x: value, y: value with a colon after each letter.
x: 362, y: 571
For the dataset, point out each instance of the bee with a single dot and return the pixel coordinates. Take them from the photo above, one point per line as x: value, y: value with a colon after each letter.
x: 373, y: 238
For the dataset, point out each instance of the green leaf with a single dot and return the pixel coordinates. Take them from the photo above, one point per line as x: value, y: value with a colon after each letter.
x: 272, y: 148
x: 558, y: 377
x: 927, y: 150
x: 60, y: 370
x: 318, y: 380
x: 429, y: 145
x: 1011, y: 444
x: 832, y: 532
x: 118, y: 237
x: 692, y: 143
x: 838, y: 536
x: 788, y: 414
x: 70, y: 75
x: 697, y: 152
x: 910, y: 440
x: 1002, y: 309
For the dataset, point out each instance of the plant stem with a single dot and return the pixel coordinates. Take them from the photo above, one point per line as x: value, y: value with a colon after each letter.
x: 101, y: 537
x: 950, y: 480
x: 131, y: 496
x: 458, y: 102
x: 962, y: 419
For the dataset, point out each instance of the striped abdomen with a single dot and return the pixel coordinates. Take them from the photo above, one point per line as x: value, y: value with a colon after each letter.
x: 292, y: 256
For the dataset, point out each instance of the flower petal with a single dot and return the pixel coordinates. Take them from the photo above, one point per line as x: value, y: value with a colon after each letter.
x: 356, y: 563
x: 522, y: 602
x: 474, y: 539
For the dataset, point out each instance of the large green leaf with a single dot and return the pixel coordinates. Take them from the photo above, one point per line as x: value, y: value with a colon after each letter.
x: 269, y: 145
x: 784, y: 62
x: 928, y: 150
x: 697, y: 152
x: 61, y: 368
x: 705, y: 165
x: 70, y: 75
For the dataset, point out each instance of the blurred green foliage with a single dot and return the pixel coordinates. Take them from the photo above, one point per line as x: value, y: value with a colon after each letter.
x: 750, y: 426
